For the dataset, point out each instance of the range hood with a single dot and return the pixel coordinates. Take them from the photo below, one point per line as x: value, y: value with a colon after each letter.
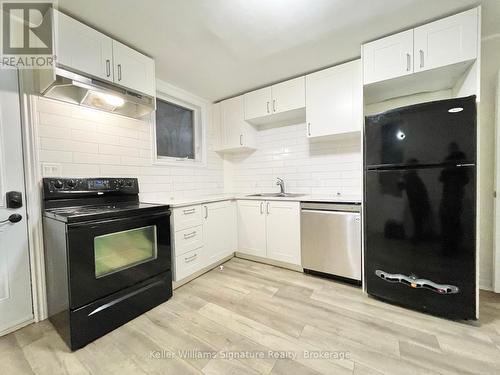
x: 89, y: 92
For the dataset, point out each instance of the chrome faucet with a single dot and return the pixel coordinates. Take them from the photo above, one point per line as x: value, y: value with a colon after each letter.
x: 281, y: 184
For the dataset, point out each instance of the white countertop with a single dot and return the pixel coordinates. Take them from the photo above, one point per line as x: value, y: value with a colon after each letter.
x: 180, y: 202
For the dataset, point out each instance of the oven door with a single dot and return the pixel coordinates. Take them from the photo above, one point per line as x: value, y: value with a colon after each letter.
x: 106, y: 256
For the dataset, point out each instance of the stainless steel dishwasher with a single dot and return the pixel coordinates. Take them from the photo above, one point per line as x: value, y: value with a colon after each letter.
x: 331, y: 240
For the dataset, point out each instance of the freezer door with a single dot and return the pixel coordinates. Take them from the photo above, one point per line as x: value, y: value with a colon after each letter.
x: 420, y: 244
x: 423, y: 134
x: 331, y: 242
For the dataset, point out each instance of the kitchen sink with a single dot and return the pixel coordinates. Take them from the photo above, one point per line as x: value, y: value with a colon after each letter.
x: 276, y: 195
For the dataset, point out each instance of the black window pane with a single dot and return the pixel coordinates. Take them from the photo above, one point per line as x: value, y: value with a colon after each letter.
x: 174, y: 130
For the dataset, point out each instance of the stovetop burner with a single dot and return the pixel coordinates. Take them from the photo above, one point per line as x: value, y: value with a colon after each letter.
x: 72, y: 200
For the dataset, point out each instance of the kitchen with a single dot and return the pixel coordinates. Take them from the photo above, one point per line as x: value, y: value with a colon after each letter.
x: 221, y: 209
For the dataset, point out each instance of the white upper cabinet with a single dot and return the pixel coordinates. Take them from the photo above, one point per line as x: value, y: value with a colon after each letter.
x: 389, y: 57
x: 83, y: 49
x: 235, y: 133
x: 289, y: 95
x: 448, y: 41
x: 334, y: 100
x: 274, y: 102
x: 437, y: 44
x: 133, y: 69
x: 258, y: 103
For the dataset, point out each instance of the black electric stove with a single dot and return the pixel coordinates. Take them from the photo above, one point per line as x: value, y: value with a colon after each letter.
x: 108, y: 256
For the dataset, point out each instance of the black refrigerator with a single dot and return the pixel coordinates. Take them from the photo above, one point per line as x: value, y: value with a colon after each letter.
x: 420, y: 207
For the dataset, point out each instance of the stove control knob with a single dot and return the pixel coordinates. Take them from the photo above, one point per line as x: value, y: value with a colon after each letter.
x: 129, y: 184
x: 119, y: 183
x: 58, y: 184
x: 71, y: 183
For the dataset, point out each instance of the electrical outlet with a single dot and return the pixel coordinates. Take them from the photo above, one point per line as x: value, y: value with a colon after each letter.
x: 51, y: 170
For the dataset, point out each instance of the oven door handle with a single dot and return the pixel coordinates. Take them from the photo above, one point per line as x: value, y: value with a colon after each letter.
x: 99, y: 222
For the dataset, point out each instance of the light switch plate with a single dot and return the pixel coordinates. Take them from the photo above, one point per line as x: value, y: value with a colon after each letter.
x: 51, y: 170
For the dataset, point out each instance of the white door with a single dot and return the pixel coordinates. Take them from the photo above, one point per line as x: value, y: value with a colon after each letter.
x: 289, y: 95
x: 252, y: 227
x: 388, y: 58
x: 133, y: 69
x: 82, y: 48
x: 283, y: 231
x: 448, y: 41
x: 334, y: 100
x: 219, y: 230
x: 258, y: 103
x: 15, y: 285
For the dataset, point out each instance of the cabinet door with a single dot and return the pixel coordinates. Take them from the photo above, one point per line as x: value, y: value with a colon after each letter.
x: 83, y: 49
x: 289, y: 95
x: 258, y: 103
x: 448, y: 41
x: 283, y: 231
x: 388, y: 58
x: 236, y: 133
x: 133, y: 69
x: 220, y: 231
x: 334, y: 100
x: 252, y: 227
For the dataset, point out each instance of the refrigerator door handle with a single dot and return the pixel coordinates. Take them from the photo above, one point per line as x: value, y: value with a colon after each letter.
x: 416, y: 283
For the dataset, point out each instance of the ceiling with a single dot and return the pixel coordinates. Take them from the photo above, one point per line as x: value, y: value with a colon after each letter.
x: 220, y: 48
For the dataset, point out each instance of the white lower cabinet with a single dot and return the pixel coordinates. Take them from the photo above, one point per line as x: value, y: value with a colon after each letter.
x: 202, y: 235
x: 252, y: 227
x: 269, y: 229
x: 219, y: 230
x: 283, y: 231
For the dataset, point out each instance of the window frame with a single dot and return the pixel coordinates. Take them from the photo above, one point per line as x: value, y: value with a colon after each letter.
x: 200, y: 144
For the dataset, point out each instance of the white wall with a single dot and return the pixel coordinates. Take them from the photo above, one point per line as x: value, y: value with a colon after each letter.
x: 490, y: 65
x: 320, y: 167
x: 86, y: 142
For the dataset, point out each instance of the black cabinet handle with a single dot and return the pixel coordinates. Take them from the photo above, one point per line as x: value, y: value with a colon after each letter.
x: 14, y: 218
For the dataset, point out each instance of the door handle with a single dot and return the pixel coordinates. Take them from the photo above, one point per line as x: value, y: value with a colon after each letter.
x: 14, y: 218
x: 309, y: 129
x: 267, y: 106
x: 206, y: 212
x: 408, y: 62
x: 261, y: 208
x: 267, y: 208
x: 108, y: 67
x: 274, y: 105
x: 119, y: 72
x: 241, y: 139
x: 191, y: 258
x: 422, y: 62
x: 190, y: 211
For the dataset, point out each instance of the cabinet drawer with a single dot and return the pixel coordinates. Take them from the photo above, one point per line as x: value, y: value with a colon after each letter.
x: 188, y: 239
x: 188, y: 263
x: 186, y: 217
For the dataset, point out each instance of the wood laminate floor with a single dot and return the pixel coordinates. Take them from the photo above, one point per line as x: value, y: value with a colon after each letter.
x: 274, y: 321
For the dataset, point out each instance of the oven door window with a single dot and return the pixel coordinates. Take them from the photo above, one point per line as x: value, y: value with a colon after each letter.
x: 117, y: 251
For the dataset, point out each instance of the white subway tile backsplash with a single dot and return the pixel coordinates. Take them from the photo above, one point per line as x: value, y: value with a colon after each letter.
x: 89, y: 143
x: 310, y: 166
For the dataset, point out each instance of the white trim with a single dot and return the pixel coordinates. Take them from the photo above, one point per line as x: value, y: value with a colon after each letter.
x: 29, y: 119
x: 496, y: 235
x: 2, y: 167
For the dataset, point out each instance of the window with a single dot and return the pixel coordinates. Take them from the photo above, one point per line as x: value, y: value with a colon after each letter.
x: 178, y: 132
